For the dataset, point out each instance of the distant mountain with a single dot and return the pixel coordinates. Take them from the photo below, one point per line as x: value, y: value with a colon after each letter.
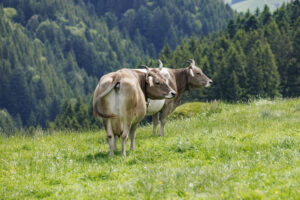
x: 252, y: 5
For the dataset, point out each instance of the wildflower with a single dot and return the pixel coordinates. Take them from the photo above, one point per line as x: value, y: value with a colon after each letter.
x: 12, y: 170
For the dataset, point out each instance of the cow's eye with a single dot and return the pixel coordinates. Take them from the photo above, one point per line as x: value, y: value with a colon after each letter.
x: 157, y: 83
x: 198, y: 73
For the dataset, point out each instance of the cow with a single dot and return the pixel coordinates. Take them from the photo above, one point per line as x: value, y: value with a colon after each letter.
x: 120, y: 101
x: 181, y: 80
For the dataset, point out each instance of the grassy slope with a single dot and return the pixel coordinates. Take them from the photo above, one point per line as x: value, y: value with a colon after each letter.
x: 243, y: 6
x: 245, y: 151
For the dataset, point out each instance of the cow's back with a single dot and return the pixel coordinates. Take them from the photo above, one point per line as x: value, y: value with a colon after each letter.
x: 126, y: 101
x: 133, y: 99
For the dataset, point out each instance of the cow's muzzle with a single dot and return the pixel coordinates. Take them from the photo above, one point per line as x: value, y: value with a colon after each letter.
x: 208, y: 83
x: 171, y: 95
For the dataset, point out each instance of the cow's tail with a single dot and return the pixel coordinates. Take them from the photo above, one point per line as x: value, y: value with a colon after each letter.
x: 114, y: 85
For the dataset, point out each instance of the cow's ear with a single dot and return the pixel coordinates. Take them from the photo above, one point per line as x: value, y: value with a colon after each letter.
x: 191, y: 71
x: 150, y: 78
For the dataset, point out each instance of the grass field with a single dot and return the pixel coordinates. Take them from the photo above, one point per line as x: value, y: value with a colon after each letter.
x: 222, y: 151
x: 243, y: 6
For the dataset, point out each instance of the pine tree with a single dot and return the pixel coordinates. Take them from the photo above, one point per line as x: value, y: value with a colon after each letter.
x: 293, y: 84
x: 255, y: 71
x: 166, y: 54
x: 81, y: 114
x: 234, y: 91
x: 20, y: 100
x: 266, y: 15
x: 231, y: 28
x: 237, y: 74
x: 251, y: 23
x: 271, y: 80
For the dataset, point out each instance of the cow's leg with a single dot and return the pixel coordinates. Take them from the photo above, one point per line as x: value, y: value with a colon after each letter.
x: 155, y: 122
x: 110, y: 137
x: 132, y: 136
x: 125, y: 138
x: 162, y: 126
x: 163, y: 121
x: 115, y: 142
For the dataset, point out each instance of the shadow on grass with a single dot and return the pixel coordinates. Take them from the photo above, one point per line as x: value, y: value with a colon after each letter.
x: 92, y: 157
x: 100, y: 156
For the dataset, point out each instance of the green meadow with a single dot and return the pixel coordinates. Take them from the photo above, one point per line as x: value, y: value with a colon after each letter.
x: 209, y: 151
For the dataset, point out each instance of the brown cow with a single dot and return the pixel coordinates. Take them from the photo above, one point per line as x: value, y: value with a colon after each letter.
x: 180, y: 80
x: 119, y: 99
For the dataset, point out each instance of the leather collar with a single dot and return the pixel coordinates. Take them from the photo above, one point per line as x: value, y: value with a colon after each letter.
x: 187, y: 86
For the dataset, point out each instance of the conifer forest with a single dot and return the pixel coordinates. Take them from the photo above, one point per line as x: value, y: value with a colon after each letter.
x: 53, y: 53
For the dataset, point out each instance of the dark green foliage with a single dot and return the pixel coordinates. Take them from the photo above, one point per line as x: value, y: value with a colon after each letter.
x: 75, y: 116
x: 293, y: 71
x: 7, y: 123
x: 52, y: 50
x: 257, y: 56
x: 158, y: 22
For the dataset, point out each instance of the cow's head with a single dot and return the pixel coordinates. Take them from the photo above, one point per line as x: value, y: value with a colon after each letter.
x: 196, y: 78
x: 157, y: 85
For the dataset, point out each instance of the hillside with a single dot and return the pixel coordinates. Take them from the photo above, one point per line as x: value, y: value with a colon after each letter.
x: 52, y: 53
x: 252, y: 5
x: 53, y: 50
x: 243, y: 151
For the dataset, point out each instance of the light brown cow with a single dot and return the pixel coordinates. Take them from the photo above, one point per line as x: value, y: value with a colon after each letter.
x: 180, y: 80
x: 119, y: 99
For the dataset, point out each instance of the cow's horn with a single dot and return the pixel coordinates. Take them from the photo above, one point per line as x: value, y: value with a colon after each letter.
x: 146, y: 67
x: 160, y: 64
x: 191, y: 61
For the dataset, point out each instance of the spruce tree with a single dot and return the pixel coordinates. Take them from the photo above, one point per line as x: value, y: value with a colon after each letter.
x: 234, y: 91
x: 271, y: 80
x: 20, y: 100
x: 231, y: 28
x: 81, y: 114
x: 293, y: 83
x: 255, y: 71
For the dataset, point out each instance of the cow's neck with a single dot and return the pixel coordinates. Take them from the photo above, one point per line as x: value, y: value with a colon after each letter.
x: 181, y: 83
x: 142, y: 81
x: 181, y: 80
